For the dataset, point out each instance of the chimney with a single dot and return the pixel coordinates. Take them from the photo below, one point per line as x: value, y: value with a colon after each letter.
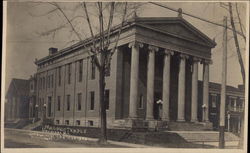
x: 52, y: 50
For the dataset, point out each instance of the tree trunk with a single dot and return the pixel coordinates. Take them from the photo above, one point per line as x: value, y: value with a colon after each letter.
x: 103, y: 137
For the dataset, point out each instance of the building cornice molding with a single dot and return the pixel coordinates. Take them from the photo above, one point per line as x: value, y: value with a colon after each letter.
x: 136, y: 44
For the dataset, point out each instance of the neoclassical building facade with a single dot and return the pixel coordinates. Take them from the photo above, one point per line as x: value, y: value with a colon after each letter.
x: 153, y: 76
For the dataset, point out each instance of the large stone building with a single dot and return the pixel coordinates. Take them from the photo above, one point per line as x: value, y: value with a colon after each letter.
x: 153, y: 76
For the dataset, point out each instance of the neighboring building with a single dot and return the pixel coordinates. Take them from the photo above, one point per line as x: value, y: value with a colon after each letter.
x: 234, y: 106
x: 17, y: 100
x: 157, y: 60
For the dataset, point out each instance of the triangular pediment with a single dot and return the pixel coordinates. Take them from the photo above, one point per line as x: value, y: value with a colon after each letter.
x: 178, y: 27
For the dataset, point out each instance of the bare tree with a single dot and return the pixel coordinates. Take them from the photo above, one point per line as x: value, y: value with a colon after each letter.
x: 100, y: 37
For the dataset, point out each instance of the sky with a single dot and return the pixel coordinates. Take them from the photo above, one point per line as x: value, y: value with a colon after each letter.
x: 27, y: 24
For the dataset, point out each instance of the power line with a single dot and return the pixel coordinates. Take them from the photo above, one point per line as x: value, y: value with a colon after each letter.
x: 199, y: 18
x: 30, y: 41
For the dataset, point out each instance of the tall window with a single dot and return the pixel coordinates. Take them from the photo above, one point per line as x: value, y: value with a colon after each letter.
x: 80, y: 70
x: 43, y: 82
x: 69, y: 73
x: 48, y: 81
x: 68, y: 102
x: 52, y: 80
x: 40, y: 83
x: 92, y: 70
x: 141, y: 101
x: 59, y: 103
x: 213, y: 101
x: 79, y: 101
x: 92, y: 100
x: 49, y: 106
x: 59, y: 75
x: 106, y: 99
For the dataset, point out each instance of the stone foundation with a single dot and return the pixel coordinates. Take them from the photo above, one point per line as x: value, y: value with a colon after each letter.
x: 137, y: 124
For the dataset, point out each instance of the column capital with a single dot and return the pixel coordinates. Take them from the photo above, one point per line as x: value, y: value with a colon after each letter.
x: 135, y: 44
x: 153, y: 48
x: 183, y: 56
x: 168, y: 52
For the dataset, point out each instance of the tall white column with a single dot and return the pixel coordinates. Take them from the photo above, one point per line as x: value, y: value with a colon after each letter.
x: 166, y: 85
x: 194, y: 98
x: 181, y: 88
x: 205, y: 90
x: 134, y: 78
x: 150, y: 82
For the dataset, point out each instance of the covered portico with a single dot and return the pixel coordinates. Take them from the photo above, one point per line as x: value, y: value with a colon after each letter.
x: 162, y: 61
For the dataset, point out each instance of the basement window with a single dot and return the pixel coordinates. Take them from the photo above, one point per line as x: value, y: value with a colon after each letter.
x: 78, y: 122
x: 91, y: 123
x: 67, y: 122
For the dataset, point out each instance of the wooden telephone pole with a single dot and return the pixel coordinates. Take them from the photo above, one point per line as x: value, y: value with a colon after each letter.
x: 223, y: 87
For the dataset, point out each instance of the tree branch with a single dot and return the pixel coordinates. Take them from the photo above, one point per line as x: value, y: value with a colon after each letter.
x: 101, y: 26
x: 89, y: 24
x: 95, y: 58
x: 119, y: 33
x: 241, y: 29
x: 111, y: 15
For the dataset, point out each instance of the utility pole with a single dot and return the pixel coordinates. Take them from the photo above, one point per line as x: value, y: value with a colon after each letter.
x: 223, y: 87
x: 241, y: 142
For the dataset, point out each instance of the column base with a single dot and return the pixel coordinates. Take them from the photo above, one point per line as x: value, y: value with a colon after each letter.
x: 157, y: 125
x: 194, y: 120
x: 135, y: 123
x: 181, y: 120
x: 166, y: 119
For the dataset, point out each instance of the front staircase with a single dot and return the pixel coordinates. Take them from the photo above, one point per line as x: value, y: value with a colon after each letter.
x: 139, y: 124
x: 205, y: 136
x: 190, y: 126
x: 33, y: 125
x: 17, y: 124
x: 208, y: 138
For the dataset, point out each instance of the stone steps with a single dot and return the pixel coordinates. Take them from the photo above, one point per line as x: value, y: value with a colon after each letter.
x: 200, y: 136
x: 190, y: 126
x: 33, y: 125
